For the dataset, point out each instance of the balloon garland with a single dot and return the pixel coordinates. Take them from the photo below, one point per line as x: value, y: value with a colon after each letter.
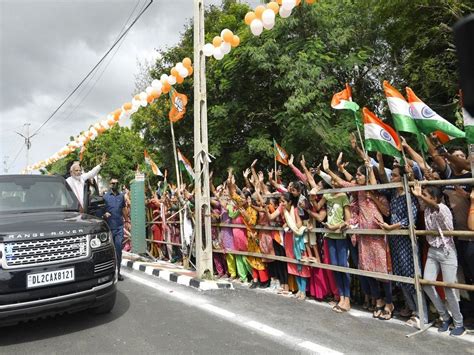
x: 263, y: 17
x: 177, y: 75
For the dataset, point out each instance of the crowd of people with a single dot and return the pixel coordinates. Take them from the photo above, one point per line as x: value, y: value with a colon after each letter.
x: 278, y: 219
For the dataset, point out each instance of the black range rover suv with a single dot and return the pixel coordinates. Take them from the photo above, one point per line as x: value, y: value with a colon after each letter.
x: 53, y: 258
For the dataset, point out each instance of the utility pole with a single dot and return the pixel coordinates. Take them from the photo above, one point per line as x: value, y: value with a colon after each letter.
x: 201, y: 161
x: 5, y: 166
x: 27, y: 143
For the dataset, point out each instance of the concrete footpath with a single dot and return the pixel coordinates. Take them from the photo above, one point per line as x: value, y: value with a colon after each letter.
x: 171, y: 272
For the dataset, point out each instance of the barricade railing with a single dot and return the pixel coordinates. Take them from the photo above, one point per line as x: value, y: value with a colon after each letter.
x: 411, y: 232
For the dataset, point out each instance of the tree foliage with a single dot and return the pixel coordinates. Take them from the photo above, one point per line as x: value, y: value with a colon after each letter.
x: 279, y: 85
x: 123, y: 148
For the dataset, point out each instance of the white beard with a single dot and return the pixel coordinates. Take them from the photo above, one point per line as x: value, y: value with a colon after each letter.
x: 77, y: 177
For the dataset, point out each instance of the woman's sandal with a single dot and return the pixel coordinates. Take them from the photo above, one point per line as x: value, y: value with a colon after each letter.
x: 339, y: 309
x: 386, y: 314
x: 378, y: 311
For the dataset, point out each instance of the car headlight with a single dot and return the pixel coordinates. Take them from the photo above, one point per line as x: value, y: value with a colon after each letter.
x: 104, y: 237
x: 100, y: 239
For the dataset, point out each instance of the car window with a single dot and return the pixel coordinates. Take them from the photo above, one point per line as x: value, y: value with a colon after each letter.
x: 30, y: 194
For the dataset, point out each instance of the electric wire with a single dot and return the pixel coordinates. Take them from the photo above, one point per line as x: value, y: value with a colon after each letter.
x: 101, y: 70
x: 94, y: 68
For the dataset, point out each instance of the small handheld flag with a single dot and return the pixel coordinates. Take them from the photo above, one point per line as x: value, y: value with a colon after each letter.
x: 380, y: 137
x: 185, y: 165
x: 342, y: 100
x: 152, y: 164
x: 428, y: 120
x: 280, y: 154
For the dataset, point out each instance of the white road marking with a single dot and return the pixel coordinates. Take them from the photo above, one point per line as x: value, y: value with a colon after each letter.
x: 237, y: 319
x: 184, y: 279
x: 318, y: 349
x: 218, y: 310
x: 265, y: 328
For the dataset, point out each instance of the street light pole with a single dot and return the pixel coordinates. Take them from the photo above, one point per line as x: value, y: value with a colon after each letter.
x: 201, y: 161
x: 27, y: 143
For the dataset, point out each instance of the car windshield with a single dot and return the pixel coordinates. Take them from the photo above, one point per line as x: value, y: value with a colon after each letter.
x: 35, y: 193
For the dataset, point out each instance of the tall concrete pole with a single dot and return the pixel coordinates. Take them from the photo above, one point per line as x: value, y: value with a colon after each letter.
x: 201, y: 163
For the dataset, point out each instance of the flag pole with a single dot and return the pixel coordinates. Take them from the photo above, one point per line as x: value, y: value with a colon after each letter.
x: 178, y: 182
x: 362, y: 145
x: 274, y: 155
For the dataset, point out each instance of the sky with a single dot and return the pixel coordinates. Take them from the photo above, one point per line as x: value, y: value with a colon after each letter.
x: 48, y: 46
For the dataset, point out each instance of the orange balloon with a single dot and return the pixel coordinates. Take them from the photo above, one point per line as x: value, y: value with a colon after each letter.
x: 279, y: 2
x: 259, y: 11
x: 166, y: 88
x: 298, y: 2
x: 217, y: 40
x: 117, y: 114
x: 227, y: 35
x: 187, y: 62
x: 116, y: 118
x: 179, y: 79
x: 273, y: 6
x: 110, y: 121
x: 137, y: 97
x: 150, y: 99
x: 190, y: 70
x: 235, y: 41
x: 310, y: 1
x: 127, y: 106
x: 249, y: 17
x: 174, y: 71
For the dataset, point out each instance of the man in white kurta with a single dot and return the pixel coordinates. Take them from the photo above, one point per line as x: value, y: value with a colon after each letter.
x: 77, y: 180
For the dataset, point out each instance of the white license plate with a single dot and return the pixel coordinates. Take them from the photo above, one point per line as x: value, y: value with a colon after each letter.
x: 50, y: 278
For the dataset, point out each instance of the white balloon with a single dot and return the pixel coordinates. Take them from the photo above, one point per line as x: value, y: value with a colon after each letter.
x: 183, y: 72
x: 225, y: 48
x: 284, y: 13
x: 149, y: 90
x: 163, y: 77
x: 268, y: 17
x: 179, y: 66
x: 269, y: 26
x: 94, y: 131
x: 288, y: 4
x: 171, y: 80
x: 135, y: 103
x: 143, y: 103
x: 218, y: 53
x: 97, y: 126
x: 256, y: 26
x: 143, y: 96
x: 208, y: 49
x: 156, y: 84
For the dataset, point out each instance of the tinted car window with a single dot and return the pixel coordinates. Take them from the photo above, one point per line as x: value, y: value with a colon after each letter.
x: 26, y: 194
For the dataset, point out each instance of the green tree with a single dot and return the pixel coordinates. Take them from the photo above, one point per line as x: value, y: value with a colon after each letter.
x: 279, y: 85
x: 123, y: 148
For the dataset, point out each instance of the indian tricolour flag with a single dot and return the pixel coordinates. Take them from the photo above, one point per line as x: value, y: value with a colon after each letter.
x: 342, y: 100
x: 468, y: 126
x: 185, y: 165
x: 152, y: 164
x: 428, y: 120
x: 380, y: 137
x: 400, y: 110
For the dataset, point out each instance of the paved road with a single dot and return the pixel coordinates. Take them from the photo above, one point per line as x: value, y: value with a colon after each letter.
x: 154, y: 316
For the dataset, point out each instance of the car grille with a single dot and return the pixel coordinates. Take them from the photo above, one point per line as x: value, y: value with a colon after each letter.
x: 104, y: 266
x: 45, y: 251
